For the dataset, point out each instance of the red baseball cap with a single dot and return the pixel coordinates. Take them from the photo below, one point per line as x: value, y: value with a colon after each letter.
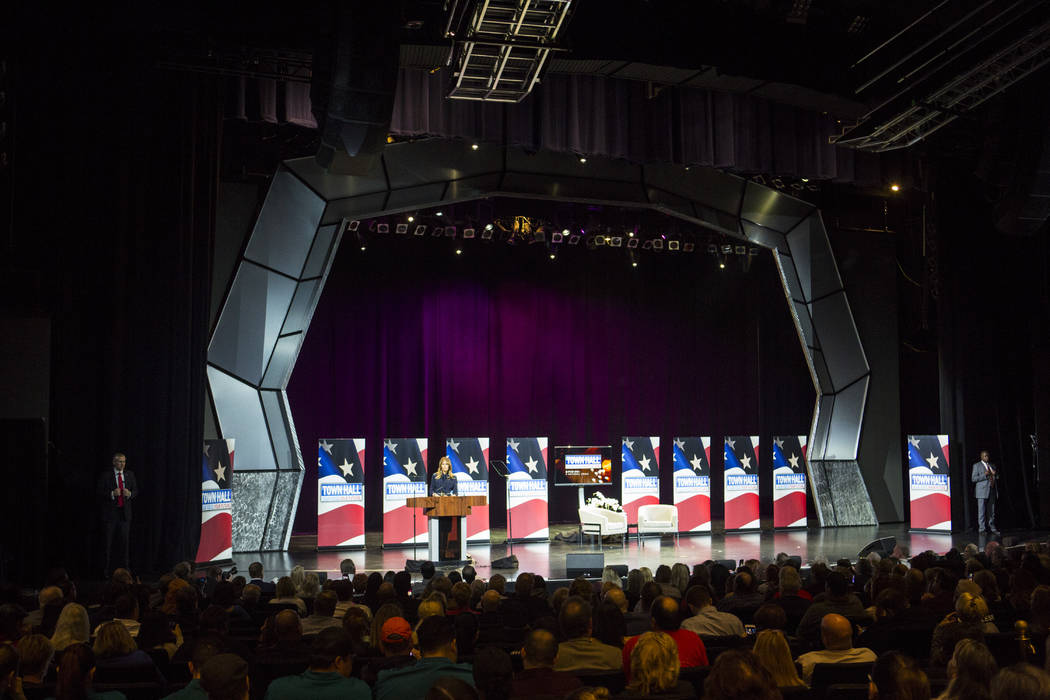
x: 395, y: 631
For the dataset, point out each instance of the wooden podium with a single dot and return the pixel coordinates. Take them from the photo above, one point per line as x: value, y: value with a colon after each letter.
x: 437, y: 507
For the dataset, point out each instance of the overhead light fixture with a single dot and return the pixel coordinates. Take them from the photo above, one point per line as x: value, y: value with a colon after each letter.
x: 450, y: 232
x: 459, y: 251
x: 437, y: 232
x: 411, y: 218
x: 805, y: 179
x: 557, y: 237
x: 616, y: 242
x: 473, y: 146
x: 647, y: 245
x: 383, y: 228
x: 420, y: 230
x: 895, y: 187
x: 486, y: 233
x: 583, y: 159
x: 574, y: 239
x: 722, y: 264
x: 674, y: 245
x: 727, y: 248
x: 658, y: 244
x: 688, y: 247
x: 598, y: 240
x: 439, y: 213
x: 352, y: 225
x: 740, y: 250
x: 632, y: 243
x: 553, y: 256
x: 468, y: 233
x: 401, y: 228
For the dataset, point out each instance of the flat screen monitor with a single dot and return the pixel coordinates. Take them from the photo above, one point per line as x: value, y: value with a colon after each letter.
x: 583, y: 465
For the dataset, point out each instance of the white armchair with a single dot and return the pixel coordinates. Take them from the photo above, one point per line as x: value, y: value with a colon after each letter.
x: 601, y: 522
x: 659, y: 518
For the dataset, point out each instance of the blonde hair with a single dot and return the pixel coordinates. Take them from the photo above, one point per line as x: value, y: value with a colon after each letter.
x: 434, y: 604
x: 680, y: 576
x: 773, y: 652
x: 113, y: 640
x: 647, y: 574
x: 298, y: 576
x: 654, y: 664
x: 445, y: 460
x: 311, y: 585
x: 971, y: 608
x: 72, y: 627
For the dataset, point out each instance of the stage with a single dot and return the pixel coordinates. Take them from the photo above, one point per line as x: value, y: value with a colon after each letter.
x: 548, y: 559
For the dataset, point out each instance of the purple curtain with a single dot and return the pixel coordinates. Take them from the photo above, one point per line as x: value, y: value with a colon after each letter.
x: 410, y: 340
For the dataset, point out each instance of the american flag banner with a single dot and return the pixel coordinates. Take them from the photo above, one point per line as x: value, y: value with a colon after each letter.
x: 928, y: 477
x: 216, y: 543
x: 789, y: 481
x: 741, y: 482
x: 470, y: 464
x: 640, y: 478
x: 692, y: 483
x: 404, y: 476
x: 527, y: 488
x: 341, y: 492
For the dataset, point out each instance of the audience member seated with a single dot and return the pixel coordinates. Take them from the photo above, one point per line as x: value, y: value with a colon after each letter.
x: 772, y: 650
x: 49, y: 597
x: 539, y: 679
x: 118, y: 658
x: 158, y: 633
x: 895, y: 676
x: 255, y: 572
x: 126, y: 612
x: 225, y: 677
x: 792, y: 597
x: 744, y: 600
x: 328, y: 676
x: 449, y: 688
x: 384, y: 613
x: 967, y: 622
x: 970, y: 671
x: 738, y: 673
x: 666, y: 619
x: 634, y: 623
x: 837, y: 600
x: 581, y: 651
x: 654, y: 666
x: 493, y: 673
x: 10, y: 683
x: 36, y: 654
x: 651, y: 590
x: 608, y: 627
x: 204, y: 649
x: 344, y: 591
x: 437, y: 647
x: 395, y: 644
x: 323, y: 615
x: 225, y: 597
x: 72, y: 628
x: 769, y: 616
x: 1021, y: 682
x: 884, y: 634
x: 707, y: 620
x: 663, y: 577
x: 12, y: 623
x: 837, y: 634
x: 76, y: 668
x: 286, y: 595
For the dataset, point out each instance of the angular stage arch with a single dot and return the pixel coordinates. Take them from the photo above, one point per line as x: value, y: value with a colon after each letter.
x: 283, y: 268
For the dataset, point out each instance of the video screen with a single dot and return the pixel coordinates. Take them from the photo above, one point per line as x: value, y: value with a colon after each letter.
x: 582, y: 465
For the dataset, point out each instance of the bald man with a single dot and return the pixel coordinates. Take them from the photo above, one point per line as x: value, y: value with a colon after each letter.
x: 538, y: 656
x: 837, y: 634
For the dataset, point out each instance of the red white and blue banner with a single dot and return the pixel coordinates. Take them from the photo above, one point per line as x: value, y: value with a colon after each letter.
x: 741, y: 482
x: 470, y: 464
x: 216, y: 543
x: 928, y: 477
x: 527, y: 488
x: 692, y: 483
x: 789, y: 481
x: 404, y: 476
x: 640, y: 478
x: 341, y: 492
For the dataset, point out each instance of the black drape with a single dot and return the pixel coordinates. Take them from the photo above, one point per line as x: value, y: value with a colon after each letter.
x: 116, y: 174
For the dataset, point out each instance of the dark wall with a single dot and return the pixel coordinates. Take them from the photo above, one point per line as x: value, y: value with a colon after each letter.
x: 410, y: 340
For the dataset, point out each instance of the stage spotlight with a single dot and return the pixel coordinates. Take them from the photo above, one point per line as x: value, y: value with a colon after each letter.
x: 599, y: 240
x: 411, y: 219
x: 574, y: 239
x: 712, y: 248
x: 616, y: 242
x: 486, y: 233
x: 632, y: 243
x: 740, y: 250
x: 468, y: 233
x: 565, y: 232
x: 674, y: 245
x: 805, y: 179
x: 383, y: 228
x: 459, y: 251
x: 420, y: 230
x: 473, y: 146
x: 439, y: 213
x: 450, y: 232
x: 688, y: 247
x: 658, y: 244
x: 539, y: 236
x: 553, y: 256
x: 727, y: 249
x: 557, y: 237
x: 352, y: 225
x: 401, y: 228
x: 647, y: 245
x: 361, y: 241
x: 583, y: 159
x: 895, y: 187
x: 722, y: 264
x: 437, y: 232
x: 752, y: 252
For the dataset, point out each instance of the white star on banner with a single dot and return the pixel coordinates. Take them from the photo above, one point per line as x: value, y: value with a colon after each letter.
x: 453, y: 444
x: 531, y: 463
x: 629, y: 443
x: 932, y: 461
x: 644, y: 463
x: 745, y: 461
x: 513, y: 444
x: 327, y: 447
x: 410, y: 467
x: 680, y: 442
x: 793, y: 460
x: 348, y: 469
x: 697, y: 464
x: 472, y: 465
x: 731, y: 442
x: 779, y: 443
x: 391, y: 445
x: 914, y: 442
x: 220, y: 472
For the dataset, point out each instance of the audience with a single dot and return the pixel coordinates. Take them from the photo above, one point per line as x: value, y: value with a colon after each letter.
x: 837, y: 599
x: 1021, y: 682
x: 287, y: 594
x: 225, y: 677
x: 895, y: 676
x: 654, y: 668
x: 970, y: 671
x: 493, y: 673
x: 539, y: 679
x: 76, y: 668
x: 73, y: 627
x: 836, y: 632
x: 580, y: 650
x: 666, y: 619
x: 10, y: 683
x: 739, y: 674
x: 772, y: 650
x: 437, y: 647
x: 328, y: 676
x: 323, y: 616
x: 707, y: 620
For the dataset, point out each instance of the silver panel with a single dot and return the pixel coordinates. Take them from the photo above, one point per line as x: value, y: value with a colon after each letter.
x: 772, y: 209
x: 710, y: 187
x: 817, y: 270
x: 286, y: 225
x: 282, y: 361
x: 821, y: 426
x: 250, y: 321
x: 839, y: 340
x: 844, y: 431
x: 321, y: 251
x: 273, y: 407
x: 765, y: 237
x: 302, y: 307
x: 241, y: 417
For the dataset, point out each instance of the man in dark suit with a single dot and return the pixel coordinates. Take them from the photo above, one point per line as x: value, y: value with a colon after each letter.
x: 116, y: 490
x: 984, y: 477
x: 255, y: 570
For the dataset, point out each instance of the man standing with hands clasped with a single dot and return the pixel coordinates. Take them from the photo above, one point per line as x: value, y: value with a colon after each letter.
x: 984, y: 476
x: 116, y: 490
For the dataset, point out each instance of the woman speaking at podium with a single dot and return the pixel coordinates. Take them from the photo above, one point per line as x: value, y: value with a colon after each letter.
x: 443, y: 483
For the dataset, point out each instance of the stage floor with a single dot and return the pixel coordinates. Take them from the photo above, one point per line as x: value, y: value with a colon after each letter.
x: 548, y: 559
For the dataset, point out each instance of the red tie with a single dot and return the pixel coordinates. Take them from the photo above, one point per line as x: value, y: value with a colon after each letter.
x: 120, y: 493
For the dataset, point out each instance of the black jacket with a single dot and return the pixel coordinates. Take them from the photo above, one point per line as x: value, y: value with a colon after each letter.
x: 107, y: 481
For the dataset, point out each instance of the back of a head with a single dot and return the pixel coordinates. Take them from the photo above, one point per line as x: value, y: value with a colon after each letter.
x: 697, y: 598
x: 540, y: 650
x: 74, y: 671
x: 461, y: 595
x: 225, y: 677
x: 836, y: 585
x: 403, y: 583
x: 770, y: 616
x: 898, y: 677
x: 113, y: 640
x: 743, y: 582
x: 490, y: 601
x: 285, y: 587
x: 617, y: 597
x: 436, y: 635
x: 575, y: 617
x: 449, y: 688
x: 72, y: 627
x: 329, y: 644
x: 650, y: 592
x: 975, y: 667
x: 204, y: 648
x: 772, y: 649
x: 663, y: 574
x: 836, y: 632
x: 325, y: 602
x: 1021, y: 682
x: 738, y: 674
x: 427, y: 570
x: 889, y: 603
x: 790, y: 581
x: 469, y: 574
x: 347, y: 568
x: 493, y: 672
x: 286, y: 626
x: 971, y: 608
x: 36, y: 653
x: 664, y: 613
x: 654, y: 664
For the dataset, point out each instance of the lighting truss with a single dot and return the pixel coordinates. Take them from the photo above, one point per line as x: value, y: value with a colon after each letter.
x: 505, y: 48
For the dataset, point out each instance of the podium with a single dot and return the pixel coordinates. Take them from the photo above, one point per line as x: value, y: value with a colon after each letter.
x: 437, y: 507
